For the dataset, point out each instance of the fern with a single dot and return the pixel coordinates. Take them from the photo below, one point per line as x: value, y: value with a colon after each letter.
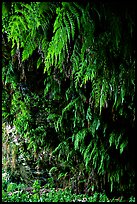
x: 70, y: 106
x: 112, y: 138
x: 72, y: 24
x: 66, y: 23
x: 87, y: 156
x: 82, y: 108
x: 101, y: 167
x: 78, y: 138
x: 64, y: 31
x: 123, y: 146
x: 22, y: 29
x: 103, y: 97
x: 52, y: 117
x: 63, y: 150
x: 58, y: 125
x: 76, y: 13
x: 83, y: 74
x: 56, y: 48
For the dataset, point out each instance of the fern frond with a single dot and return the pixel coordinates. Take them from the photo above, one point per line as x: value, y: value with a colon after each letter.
x: 66, y: 23
x: 103, y: 95
x: 72, y: 24
x: 58, y: 124
x: 123, y: 146
x: 112, y: 138
x: 52, y: 116
x: 57, y: 23
x: 70, y: 106
x: 75, y: 13
x: 101, y: 166
x: 79, y: 138
x: 29, y: 48
x: 87, y: 151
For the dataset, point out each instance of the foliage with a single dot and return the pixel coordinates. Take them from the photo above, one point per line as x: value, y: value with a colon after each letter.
x: 69, y: 90
x: 22, y: 193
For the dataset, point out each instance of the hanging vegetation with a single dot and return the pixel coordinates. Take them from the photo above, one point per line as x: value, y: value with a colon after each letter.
x: 68, y: 76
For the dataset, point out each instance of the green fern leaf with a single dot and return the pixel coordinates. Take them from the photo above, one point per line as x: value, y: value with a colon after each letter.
x: 70, y: 106
x: 75, y: 13
x: 71, y: 21
x: 67, y: 27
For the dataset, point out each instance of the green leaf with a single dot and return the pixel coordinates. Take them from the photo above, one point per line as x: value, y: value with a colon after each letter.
x: 39, y: 62
x: 123, y: 146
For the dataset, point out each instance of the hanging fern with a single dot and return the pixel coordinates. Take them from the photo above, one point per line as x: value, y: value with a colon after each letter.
x: 89, y: 68
x: 78, y: 138
x: 64, y: 32
x: 24, y: 25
